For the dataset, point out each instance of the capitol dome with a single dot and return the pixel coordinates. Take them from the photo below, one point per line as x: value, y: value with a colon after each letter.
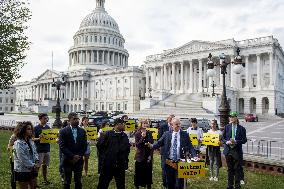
x: 98, y: 44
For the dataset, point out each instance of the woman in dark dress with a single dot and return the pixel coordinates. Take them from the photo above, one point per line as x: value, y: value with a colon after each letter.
x: 143, y: 156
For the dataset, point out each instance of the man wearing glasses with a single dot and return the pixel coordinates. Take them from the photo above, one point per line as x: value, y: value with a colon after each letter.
x: 43, y: 149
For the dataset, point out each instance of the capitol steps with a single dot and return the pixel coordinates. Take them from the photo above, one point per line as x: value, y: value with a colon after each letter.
x: 181, y: 105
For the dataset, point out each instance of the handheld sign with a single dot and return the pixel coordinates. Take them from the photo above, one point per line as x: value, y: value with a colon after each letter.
x: 211, y: 139
x: 105, y: 129
x: 49, y: 136
x: 91, y: 133
x: 193, y: 139
x: 130, y: 125
x: 154, y: 132
x: 191, y: 170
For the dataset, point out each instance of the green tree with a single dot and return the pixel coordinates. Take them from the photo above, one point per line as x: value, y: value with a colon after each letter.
x: 14, y: 15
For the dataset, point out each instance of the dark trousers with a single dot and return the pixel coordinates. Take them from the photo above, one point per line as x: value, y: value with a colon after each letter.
x: 164, y: 175
x: 107, y: 174
x: 13, y: 180
x: 77, y: 169
x: 61, y: 163
x: 173, y: 182
x: 234, y: 172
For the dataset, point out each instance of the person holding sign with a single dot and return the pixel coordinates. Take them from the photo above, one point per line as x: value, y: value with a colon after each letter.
x: 26, y: 162
x: 143, y: 156
x: 214, y: 153
x: 114, y: 148
x: 177, y: 145
x: 73, y: 144
x: 234, y: 137
x: 195, y: 130
x: 43, y: 149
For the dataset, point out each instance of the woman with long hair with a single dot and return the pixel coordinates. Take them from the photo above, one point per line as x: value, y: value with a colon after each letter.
x: 143, y: 156
x: 26, y: 162
x: 214, y: 153
x: 85, y: 124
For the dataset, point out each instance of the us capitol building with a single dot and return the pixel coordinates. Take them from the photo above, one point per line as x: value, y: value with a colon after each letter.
x: 175, y: 81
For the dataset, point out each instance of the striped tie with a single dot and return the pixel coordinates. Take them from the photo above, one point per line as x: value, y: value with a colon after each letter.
x: 175, y: 158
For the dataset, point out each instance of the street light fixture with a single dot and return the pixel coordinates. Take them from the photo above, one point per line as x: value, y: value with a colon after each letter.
x: 224, y: 107
x: 57, y: 108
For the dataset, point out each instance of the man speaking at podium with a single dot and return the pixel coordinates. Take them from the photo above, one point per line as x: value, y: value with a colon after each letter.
x: 176, y: 145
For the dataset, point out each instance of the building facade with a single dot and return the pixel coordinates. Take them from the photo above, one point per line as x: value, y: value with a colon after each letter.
x: 258, y: 89
x: 98, y: 76
x: 7, y: 100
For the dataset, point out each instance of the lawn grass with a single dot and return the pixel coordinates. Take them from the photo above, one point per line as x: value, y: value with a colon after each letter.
x: 254, y: 180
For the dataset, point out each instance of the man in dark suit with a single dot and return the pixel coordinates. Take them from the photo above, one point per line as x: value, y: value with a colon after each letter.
x: 73, y: 145
x: 162, y: 129
x: 176, y: 145
x: 233, y: 138
x: 114, y: 148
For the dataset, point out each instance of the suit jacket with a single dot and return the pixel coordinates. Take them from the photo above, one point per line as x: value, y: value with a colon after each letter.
x: 68, y: 146
x: 162, y: 129
x: 240, y: 138
x: 185, y: 144
x: 143, y: 152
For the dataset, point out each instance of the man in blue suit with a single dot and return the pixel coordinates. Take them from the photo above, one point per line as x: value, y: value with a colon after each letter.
x: 233, y: 138
x: 162, y: 129
x: 176, y: 145
x: 73, y: 145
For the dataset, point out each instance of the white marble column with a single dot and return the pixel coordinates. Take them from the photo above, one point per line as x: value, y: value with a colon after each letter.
x: 70, y: 91
x: 147, y: 81
x: 205, y: 83
x: 173, y: 77
x: 160, y: 78
x: 247, y: 72
x: 113, y: 62
x: 271, y: 74
x: 258, y: 68
x: 182, y: 77
x: 83, y: 89
x: 154, y: 78
x: 185, y: 76
x: 200, y: 76
x: 165, y: 76
x: 191, y: 76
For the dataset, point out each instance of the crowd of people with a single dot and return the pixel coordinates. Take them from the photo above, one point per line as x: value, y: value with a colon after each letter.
x: 28, y: 155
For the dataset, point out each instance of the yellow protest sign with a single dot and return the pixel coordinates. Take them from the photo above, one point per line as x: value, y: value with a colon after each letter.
x: 154, y: 132
x: 91, y: 133
x: 211, y: 139
x: 191, y: 170
x: 105, y: 129
x: 49, y: 136
x: 130, y: 125
x: 193, y: 139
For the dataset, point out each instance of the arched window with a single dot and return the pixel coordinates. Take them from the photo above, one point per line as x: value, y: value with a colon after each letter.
x: 100, y: 39
x: 96, y: 39
x: 104, y: 39
x: 86, y: 39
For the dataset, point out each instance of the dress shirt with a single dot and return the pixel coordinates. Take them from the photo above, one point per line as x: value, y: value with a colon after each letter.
x: 74, y: 132
x: 178, y: 144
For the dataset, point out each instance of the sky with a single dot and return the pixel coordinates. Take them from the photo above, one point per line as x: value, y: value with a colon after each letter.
x: 148, y: 26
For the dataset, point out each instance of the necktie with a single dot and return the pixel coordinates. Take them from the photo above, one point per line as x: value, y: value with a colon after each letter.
x: 175, y: 148
x: 74, y: 132
x: 233, y: 131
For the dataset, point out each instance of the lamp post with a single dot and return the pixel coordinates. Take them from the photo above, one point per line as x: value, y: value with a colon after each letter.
x: 57, y: 108
x: 150, y: 90
x: 224, y: 107
x: 213, y: 85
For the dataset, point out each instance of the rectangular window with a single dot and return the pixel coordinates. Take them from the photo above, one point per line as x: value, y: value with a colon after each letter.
x: 12, y: 101
x: 12, y: 109
x: 0, y: 99
x: 0, y: 108
x: 125, y: 106
x: 254, y: 82
x: 243, y: 83
x: 6, y: 109
x: 7, y: 100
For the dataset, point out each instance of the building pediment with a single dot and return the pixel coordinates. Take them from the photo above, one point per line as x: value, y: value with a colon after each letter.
x: 196, y: 46
x: 48, y: 74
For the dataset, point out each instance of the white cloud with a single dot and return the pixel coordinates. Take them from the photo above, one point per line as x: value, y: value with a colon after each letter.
x: 148, y: 26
